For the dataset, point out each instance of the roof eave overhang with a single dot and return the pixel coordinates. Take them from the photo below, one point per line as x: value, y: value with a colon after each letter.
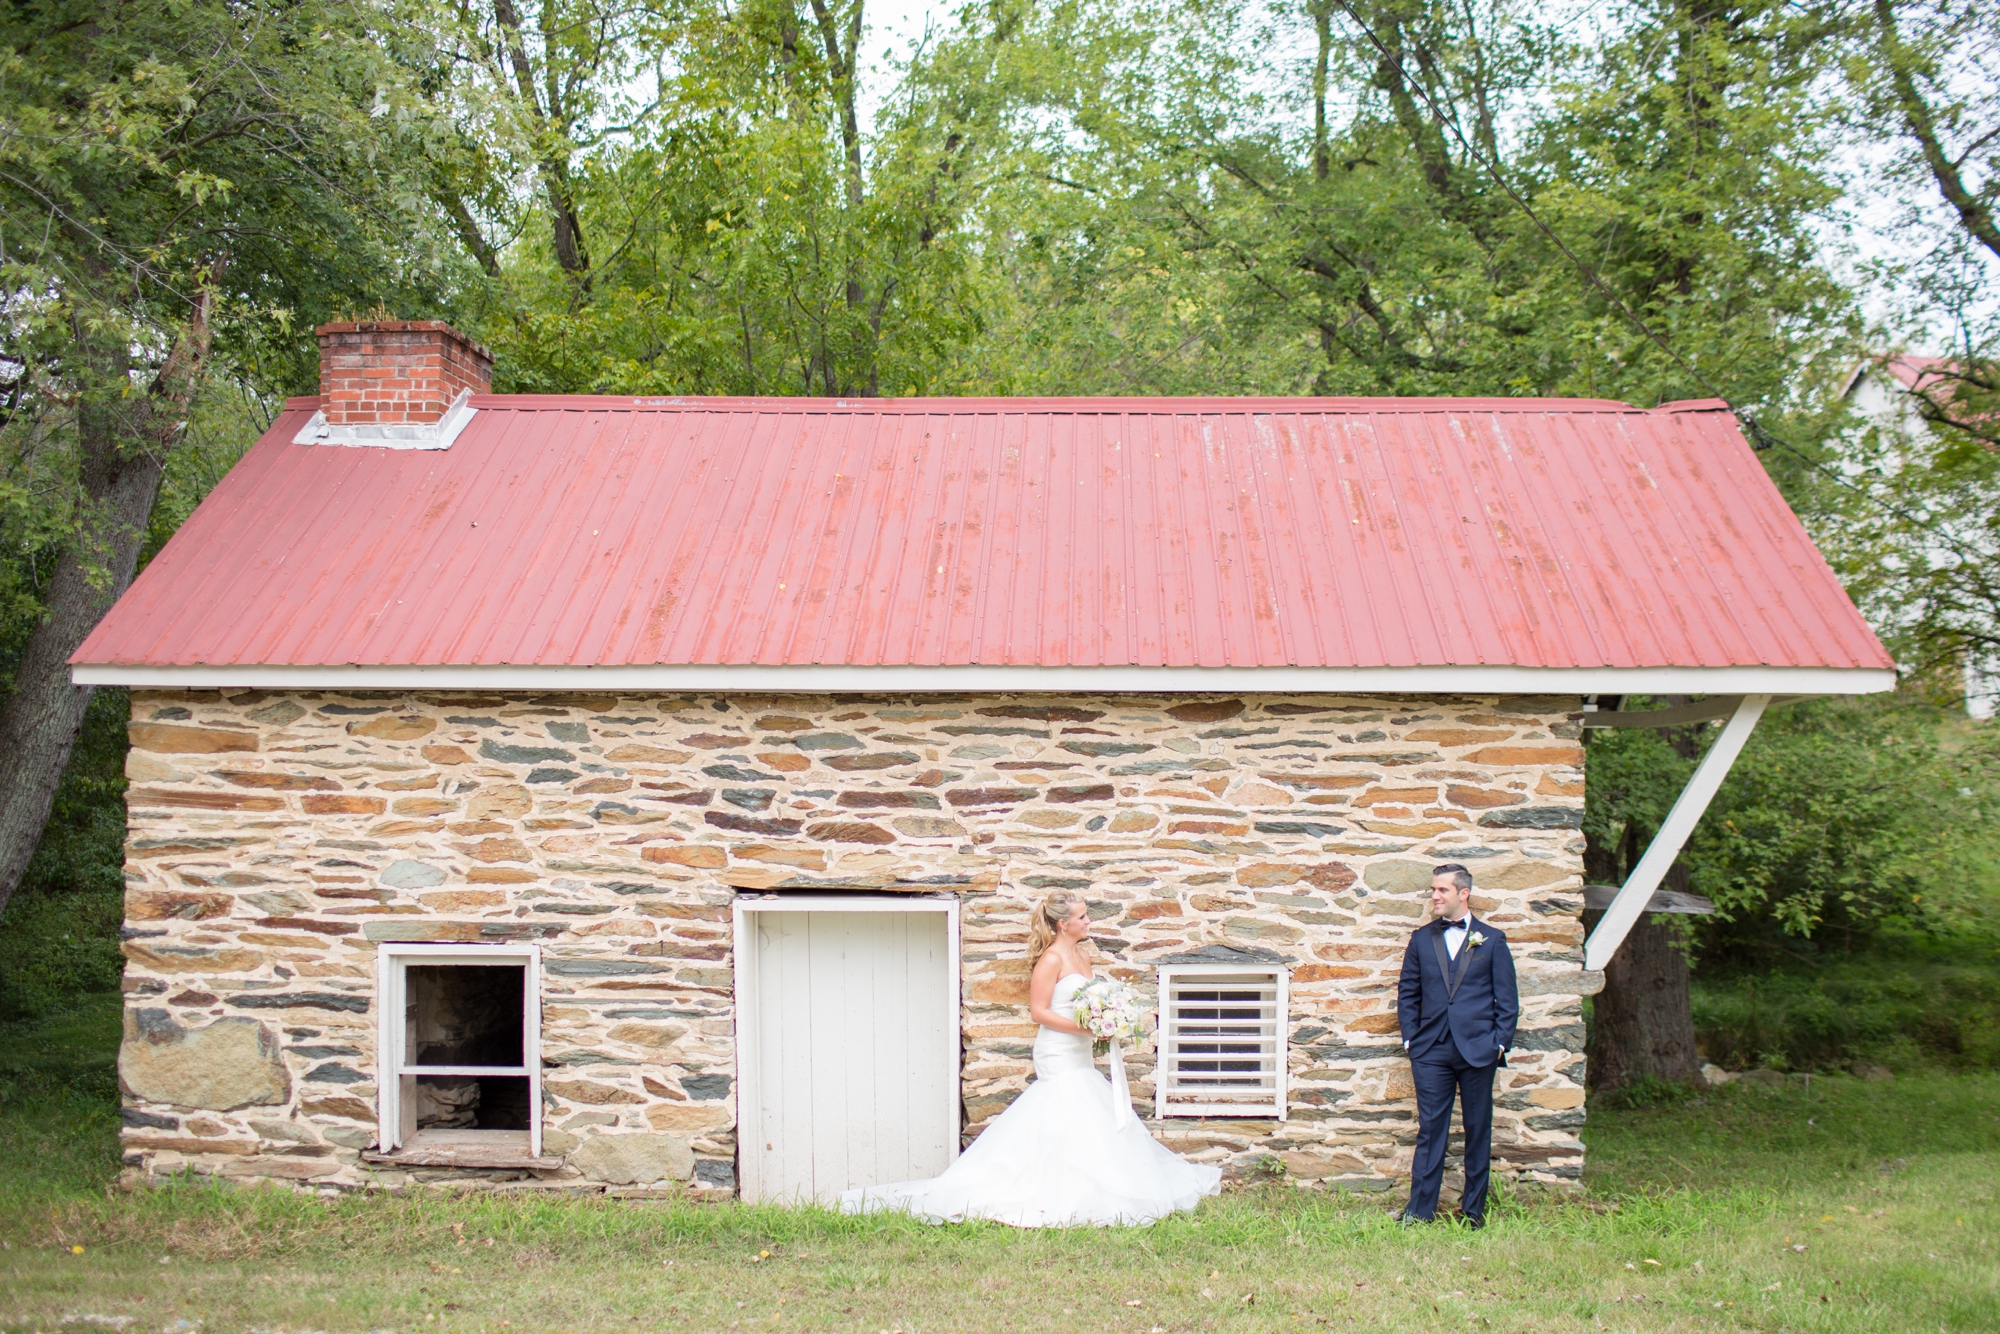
x: 843, y: 677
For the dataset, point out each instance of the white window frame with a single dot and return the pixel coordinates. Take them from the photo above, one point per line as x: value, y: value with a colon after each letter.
x: 1167, y: 1099
x: 396, y: 1077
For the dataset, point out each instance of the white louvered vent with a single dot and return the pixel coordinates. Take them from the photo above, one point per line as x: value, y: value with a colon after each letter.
x: 1221, y: 1042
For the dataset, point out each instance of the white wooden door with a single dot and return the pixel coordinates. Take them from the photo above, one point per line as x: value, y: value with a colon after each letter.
x: 848, y: 1034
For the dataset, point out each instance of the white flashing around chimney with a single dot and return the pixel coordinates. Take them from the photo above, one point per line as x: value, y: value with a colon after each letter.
x: 433, y: 435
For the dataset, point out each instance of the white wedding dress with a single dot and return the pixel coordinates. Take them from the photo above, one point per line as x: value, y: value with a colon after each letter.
x: 1060, y: 1156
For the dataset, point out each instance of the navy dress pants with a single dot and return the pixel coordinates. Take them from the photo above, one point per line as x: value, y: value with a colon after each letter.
x: 1440, y: 1074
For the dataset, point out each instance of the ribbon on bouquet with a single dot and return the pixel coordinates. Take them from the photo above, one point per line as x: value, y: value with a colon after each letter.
x: 1121, y: 1092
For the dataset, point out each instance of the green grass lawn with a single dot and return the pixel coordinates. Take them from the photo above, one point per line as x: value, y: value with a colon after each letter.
x: 1846, y: 1206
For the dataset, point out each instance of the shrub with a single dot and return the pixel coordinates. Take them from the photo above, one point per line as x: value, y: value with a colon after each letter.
x: 55, y: 947
x: 1841, y: 820
x: 83, y: 844
x: 1936, y: 1002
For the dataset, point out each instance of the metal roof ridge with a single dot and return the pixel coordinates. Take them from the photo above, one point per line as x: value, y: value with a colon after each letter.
x: 1053, y: 406
x: 1694, y: 405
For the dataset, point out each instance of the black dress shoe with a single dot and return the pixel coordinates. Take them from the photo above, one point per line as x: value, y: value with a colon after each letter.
x: 1408, y: 1219
x: 1473, y: 1221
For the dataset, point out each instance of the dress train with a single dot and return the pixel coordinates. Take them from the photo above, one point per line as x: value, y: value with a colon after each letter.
x: 1060, y: 1156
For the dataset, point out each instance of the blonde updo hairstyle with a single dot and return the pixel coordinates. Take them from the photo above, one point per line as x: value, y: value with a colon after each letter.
x: 1045, y: 922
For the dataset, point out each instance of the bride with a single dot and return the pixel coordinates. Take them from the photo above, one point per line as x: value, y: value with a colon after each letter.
x: 1058, y: 1157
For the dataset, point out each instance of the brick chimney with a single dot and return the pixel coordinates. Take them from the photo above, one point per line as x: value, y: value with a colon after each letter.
x: 396, y: 372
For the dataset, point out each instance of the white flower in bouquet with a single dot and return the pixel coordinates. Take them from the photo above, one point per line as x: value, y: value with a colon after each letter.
x: 1109, y: 1010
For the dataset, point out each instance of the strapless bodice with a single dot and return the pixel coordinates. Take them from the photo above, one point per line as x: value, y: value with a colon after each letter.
x: 1058, y: 1053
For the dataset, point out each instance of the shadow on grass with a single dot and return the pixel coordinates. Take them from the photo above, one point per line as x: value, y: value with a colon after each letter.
x: 1828, y: 1127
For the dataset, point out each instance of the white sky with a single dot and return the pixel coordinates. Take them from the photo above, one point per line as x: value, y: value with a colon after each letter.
x: 891, y: 28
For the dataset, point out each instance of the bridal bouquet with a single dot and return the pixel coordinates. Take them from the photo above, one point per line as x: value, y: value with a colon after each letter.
x: 1109, y: 1011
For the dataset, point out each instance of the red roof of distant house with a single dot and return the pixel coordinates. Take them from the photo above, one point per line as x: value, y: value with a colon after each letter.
x: 1920, y: 374
x: 1937, y: 379
x: 1493, y: 544
x: 1933, y: 377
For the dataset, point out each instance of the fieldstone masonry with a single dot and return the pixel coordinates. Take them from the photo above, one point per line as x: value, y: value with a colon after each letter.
x: 277, y: 838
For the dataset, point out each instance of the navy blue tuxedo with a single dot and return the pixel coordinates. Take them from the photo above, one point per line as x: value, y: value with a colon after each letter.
x: 1480, y: 1017
x: 1457, y: 1028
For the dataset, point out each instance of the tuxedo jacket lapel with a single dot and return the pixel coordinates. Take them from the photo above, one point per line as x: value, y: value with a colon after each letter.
x: 1453, y: 976
x: 1464, y: 955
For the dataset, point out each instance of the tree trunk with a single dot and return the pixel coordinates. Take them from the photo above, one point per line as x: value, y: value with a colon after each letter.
x: 1973, y: 213
x: 1642, y: 1023
x: 41, y: 719
x: 124, y: 441
x: 555, y: 123
x: 1322, y: 15
x: 1642, y: 1026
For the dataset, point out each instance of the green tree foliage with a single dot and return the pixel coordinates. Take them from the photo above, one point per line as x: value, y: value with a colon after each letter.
x: 1841, y: 819
x: 1915, y: 533
x: 1923, y: 73
x: 181, y: 182
x: 1692, y: 156
x: 1916, y: 530
x: 734, y: 232
x: 1086, y: 197
x: 1063, y: 196
x: 1196, y: 208
x: 1907, y: 1001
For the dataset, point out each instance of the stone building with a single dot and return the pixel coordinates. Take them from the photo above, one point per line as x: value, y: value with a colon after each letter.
x: 648, y: 793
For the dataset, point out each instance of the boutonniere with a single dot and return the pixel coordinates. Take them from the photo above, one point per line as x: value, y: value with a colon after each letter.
x: 1476, y: 939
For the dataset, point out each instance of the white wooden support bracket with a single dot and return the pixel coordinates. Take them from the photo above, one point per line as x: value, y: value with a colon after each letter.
x: 1637, y: 891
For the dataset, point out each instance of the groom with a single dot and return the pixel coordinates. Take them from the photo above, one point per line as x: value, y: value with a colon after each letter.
x: 1457, y: 1006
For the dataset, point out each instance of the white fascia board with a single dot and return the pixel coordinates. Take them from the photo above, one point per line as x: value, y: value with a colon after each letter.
x: 840, y: 678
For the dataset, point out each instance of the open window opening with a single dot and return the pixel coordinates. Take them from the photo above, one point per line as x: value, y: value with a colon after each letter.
x: 468, y: 1018
x: 460, y: 1058
x: 1221, y: 1042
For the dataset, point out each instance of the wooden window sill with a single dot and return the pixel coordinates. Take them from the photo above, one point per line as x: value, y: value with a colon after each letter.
x: 466, y: 1148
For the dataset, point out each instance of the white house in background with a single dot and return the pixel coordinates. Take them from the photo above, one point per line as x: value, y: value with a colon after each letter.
x: 1881, y: 389
x: 1883, y: 393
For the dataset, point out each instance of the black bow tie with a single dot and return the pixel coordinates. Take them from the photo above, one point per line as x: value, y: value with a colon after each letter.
x: 1460, y: 925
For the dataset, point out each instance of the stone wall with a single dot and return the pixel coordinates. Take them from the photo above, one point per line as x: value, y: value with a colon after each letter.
x: 276, y: 838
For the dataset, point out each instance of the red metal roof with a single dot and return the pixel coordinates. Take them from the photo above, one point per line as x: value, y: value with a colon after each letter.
x: 608, y: 531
